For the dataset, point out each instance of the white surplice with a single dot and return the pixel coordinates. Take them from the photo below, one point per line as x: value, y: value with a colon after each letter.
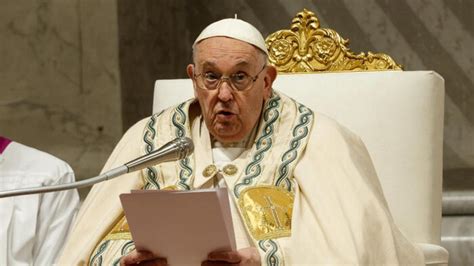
x: 33, y: 228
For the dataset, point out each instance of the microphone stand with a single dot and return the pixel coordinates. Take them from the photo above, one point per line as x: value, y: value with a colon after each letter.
x: 83, y: 183
x: 174, y: 150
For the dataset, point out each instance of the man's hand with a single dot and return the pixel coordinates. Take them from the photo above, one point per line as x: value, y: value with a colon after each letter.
x: 142, y: 258
x: 245, y: 256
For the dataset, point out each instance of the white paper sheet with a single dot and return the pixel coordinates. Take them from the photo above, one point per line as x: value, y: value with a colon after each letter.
x: 183, y: 226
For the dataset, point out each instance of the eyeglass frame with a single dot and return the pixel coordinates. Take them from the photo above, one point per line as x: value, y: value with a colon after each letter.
x: 219, y: 83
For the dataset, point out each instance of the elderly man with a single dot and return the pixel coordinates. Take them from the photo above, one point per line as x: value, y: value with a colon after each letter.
x: 304, y: 190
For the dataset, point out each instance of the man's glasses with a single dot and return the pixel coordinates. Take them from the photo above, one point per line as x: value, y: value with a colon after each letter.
x: 240, y: 81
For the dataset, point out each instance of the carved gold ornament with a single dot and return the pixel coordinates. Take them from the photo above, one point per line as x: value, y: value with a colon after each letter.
x: 308, y: 48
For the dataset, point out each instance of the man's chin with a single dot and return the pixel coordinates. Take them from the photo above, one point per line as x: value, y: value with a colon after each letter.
x: 227, y: 136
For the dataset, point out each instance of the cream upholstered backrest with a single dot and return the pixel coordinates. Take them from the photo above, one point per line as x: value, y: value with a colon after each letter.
x: 399, y: 116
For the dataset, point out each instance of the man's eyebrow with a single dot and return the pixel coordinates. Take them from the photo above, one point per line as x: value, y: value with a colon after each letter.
x: 242, y: 63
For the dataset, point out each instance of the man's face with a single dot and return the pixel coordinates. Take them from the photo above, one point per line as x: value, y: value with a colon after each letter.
x: 230, y: 115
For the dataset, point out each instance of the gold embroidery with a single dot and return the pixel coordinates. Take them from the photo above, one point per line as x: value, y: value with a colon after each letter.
x: 119, y: 231
x: 121, y: 226
x: 267, y: 211
x: 172, y: 187
x: 230, y: 169
x: 118, y: 236
x: 209, y: 171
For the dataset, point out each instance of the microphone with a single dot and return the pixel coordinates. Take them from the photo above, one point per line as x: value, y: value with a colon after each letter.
x: 176, y: 149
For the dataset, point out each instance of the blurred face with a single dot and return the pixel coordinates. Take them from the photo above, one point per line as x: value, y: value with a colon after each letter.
x: 230, y: 114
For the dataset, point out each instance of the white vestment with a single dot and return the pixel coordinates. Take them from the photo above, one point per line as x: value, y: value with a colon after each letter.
x: 339, y: 214
x: 33, y: 228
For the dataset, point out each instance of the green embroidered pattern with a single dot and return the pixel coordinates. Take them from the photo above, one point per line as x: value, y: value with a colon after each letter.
x: 96, y: 260
x: 116, y: 262
x: 300, y: 132
x: 179, y: 121
x: 148, y: 137
x: 303, y: 121
x: 272, y: 255
x: 264, y: 143
x: 151, y: 182
x: 128, y: 247
x: 150, y: 134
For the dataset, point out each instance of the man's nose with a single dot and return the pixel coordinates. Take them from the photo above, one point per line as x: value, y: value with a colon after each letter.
x: 225, y: 91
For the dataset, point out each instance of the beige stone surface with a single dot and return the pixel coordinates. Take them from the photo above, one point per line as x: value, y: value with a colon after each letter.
x: 60, y: 85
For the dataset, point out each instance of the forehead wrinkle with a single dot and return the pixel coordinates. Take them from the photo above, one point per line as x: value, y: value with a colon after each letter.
x: 238, y: 57
x: 212, y: 63
x: 208, y: 63
x: 215, y: 51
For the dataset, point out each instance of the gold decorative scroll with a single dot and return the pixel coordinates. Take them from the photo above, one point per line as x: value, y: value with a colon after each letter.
x: 308, y: 48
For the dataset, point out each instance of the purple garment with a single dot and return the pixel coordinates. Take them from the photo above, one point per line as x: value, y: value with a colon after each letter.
x: 4, y: 143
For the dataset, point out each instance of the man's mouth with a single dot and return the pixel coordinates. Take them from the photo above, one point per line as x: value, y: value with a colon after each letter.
x: 225, y: 115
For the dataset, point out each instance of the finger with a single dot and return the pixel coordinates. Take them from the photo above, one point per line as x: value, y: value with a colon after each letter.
x: 155, y: 262
x: 217, y: 263
x: 136, y: 257
x: 227, y: 256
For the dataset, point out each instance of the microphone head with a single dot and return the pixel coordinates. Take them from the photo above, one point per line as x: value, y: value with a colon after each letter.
x: 176, y: 149
x: 185, y: 145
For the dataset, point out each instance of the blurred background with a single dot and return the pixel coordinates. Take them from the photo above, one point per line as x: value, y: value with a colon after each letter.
x: 75, y: 74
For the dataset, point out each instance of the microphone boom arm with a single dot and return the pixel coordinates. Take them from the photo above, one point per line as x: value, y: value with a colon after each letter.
x: 83, y: 183
x: 174, y: 150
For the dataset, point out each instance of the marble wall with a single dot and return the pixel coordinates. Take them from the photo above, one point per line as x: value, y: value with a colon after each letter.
x: 60, y: 86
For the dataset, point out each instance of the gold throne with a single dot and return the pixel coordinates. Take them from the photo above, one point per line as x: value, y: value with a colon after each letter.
x: 306, y: 47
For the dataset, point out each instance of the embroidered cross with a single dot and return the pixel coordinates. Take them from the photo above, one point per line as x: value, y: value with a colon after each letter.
x: 273, y: 209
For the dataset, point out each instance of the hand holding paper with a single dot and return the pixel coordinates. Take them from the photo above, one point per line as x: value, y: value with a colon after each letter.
x: 246, y: 256
x: 181, y: 226
x: 137, y: 257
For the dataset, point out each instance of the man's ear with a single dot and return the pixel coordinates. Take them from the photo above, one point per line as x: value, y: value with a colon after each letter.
x: 270, y: 76
x: 190, y: 71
